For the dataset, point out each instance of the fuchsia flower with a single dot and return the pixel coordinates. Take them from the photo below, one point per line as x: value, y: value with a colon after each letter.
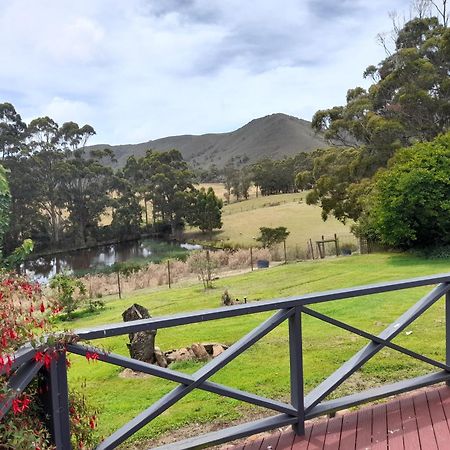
x: 92, y: 356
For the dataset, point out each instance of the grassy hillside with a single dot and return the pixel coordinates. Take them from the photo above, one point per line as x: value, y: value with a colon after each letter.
x: 263, y: 369
x: 242, y: 220
x: 273, y: 136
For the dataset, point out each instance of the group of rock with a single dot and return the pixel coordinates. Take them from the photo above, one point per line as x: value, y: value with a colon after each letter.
x: 142, y: 344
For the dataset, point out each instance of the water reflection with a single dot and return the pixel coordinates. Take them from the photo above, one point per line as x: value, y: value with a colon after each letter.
x: 43, y: 268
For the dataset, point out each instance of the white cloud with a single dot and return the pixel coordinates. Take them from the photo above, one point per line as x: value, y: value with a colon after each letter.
x: 143, y: 69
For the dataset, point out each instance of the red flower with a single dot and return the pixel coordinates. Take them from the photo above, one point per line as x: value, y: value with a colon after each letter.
x: 42, y: 307
x: 92, y: 356
x: 47, y: 360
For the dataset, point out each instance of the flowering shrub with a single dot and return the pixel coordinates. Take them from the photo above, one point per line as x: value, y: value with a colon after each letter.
x: 26, y: 316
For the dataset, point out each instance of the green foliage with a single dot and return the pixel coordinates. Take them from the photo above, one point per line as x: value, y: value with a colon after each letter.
x: 279, y: 176
x: 408, y: 102
x: 203, y: 265
x: 5, y: 202
x: 18, y: 255
x: 169, y: 186
x: 410, y: 204
x: 272, y: 236
x: 69, y: 292
x: 206, y: 211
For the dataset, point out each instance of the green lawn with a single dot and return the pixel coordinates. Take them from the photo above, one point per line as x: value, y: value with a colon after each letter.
x: 264, y: 368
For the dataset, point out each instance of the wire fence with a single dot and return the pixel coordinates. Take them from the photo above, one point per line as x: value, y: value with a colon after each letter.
x: 217, y: 262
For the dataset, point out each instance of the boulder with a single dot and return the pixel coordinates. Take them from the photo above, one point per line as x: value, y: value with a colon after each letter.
x: 217, y: 350
x: 200, y: 351
x: 160, y: 358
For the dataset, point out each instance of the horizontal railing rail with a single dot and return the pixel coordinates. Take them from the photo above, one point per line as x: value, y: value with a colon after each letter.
x: 300, y: 408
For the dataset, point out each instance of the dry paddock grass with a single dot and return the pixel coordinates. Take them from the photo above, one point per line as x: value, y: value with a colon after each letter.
x: 154, y: 275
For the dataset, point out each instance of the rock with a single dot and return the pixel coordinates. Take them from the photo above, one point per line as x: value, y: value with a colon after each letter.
x: 209, y: 346
x: 217, y: 350
x: 128, y: 373
x: 160, y: 358
x: 182, y: 354
x: 199, y: 351
x: 142, y: 343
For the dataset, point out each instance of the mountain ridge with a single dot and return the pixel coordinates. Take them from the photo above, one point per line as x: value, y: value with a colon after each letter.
x: 273, y: 136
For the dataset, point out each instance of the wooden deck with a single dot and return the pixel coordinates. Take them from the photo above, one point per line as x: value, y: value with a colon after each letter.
x: 417, y: 421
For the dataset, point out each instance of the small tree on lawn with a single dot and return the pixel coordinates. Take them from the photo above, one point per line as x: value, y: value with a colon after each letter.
x: 203, y: 265
x: 272, y: 236
x: 70, y: 292
x: 207, y: 211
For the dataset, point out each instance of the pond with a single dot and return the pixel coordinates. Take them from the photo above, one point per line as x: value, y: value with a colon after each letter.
x: 95, y: 259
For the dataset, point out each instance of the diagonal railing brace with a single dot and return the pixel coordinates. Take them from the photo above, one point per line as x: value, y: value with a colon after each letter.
x: 371, y: 349
x: 200, y: 376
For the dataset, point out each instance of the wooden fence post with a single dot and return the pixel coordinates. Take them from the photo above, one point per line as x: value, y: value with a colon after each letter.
x: 168, y: 273
x: 118, y: 284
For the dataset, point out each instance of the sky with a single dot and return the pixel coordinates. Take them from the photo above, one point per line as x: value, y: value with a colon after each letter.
x: 138, y: 70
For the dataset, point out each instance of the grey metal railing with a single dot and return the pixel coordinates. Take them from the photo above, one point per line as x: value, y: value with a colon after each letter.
x: 295, y: 413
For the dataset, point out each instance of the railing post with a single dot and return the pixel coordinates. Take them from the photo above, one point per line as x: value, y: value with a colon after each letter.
x: 447, y: 330
x: 56, y: 401
x: 296, y: 366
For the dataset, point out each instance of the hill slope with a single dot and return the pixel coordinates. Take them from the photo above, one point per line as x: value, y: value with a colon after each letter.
x: 271, y: 136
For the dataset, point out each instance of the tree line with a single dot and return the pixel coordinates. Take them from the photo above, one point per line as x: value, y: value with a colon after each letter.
x: 60, y: 191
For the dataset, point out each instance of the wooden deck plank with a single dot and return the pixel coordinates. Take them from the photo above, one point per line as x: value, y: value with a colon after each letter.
x: 424, y: 426
x: 417, y: 421
x: 271, y: 442
x: 379, y: 428
x: 286, y: 440
x: 348, y: 432
x: 444, y: 394
x: 301, y: 442
x: 409, y: 423
x: 317, y: 438
x: 364, y: 429
x: 333, y: 436
x: 394, y: 425
x: 438, y: 419
x: 253, y: 444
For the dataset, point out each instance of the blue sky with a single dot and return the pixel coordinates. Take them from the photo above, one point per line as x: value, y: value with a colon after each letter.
x: 141, y: 69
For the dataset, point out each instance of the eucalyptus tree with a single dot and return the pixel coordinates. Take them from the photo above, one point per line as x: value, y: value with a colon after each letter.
x: 408, y: 102
x: 12, y: 130
x: 170, y: 187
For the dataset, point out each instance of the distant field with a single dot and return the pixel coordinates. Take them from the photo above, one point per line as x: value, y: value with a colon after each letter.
x: 242, y: 220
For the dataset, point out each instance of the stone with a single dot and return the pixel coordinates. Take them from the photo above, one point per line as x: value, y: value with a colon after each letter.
x: 217, y: 350
x: 160, y: 359
x: 182, y: 354
x: 142, y: 343
x: 200, y: 351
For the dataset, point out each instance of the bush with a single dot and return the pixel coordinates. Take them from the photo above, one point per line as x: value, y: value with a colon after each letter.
x: 409, y: 206
x: 27, y: 317
x: 69, y: 291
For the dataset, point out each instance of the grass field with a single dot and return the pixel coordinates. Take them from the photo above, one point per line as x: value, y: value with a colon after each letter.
x: 264, y: 368
x: 289, y: 210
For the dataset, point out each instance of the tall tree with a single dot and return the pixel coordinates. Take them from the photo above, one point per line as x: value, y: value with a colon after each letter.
x: 46, y: 156
x: 408, y: 102
x: 87, y: 188
x: 207, y: 211
x: 172, y: 186
x: 12, y: 130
